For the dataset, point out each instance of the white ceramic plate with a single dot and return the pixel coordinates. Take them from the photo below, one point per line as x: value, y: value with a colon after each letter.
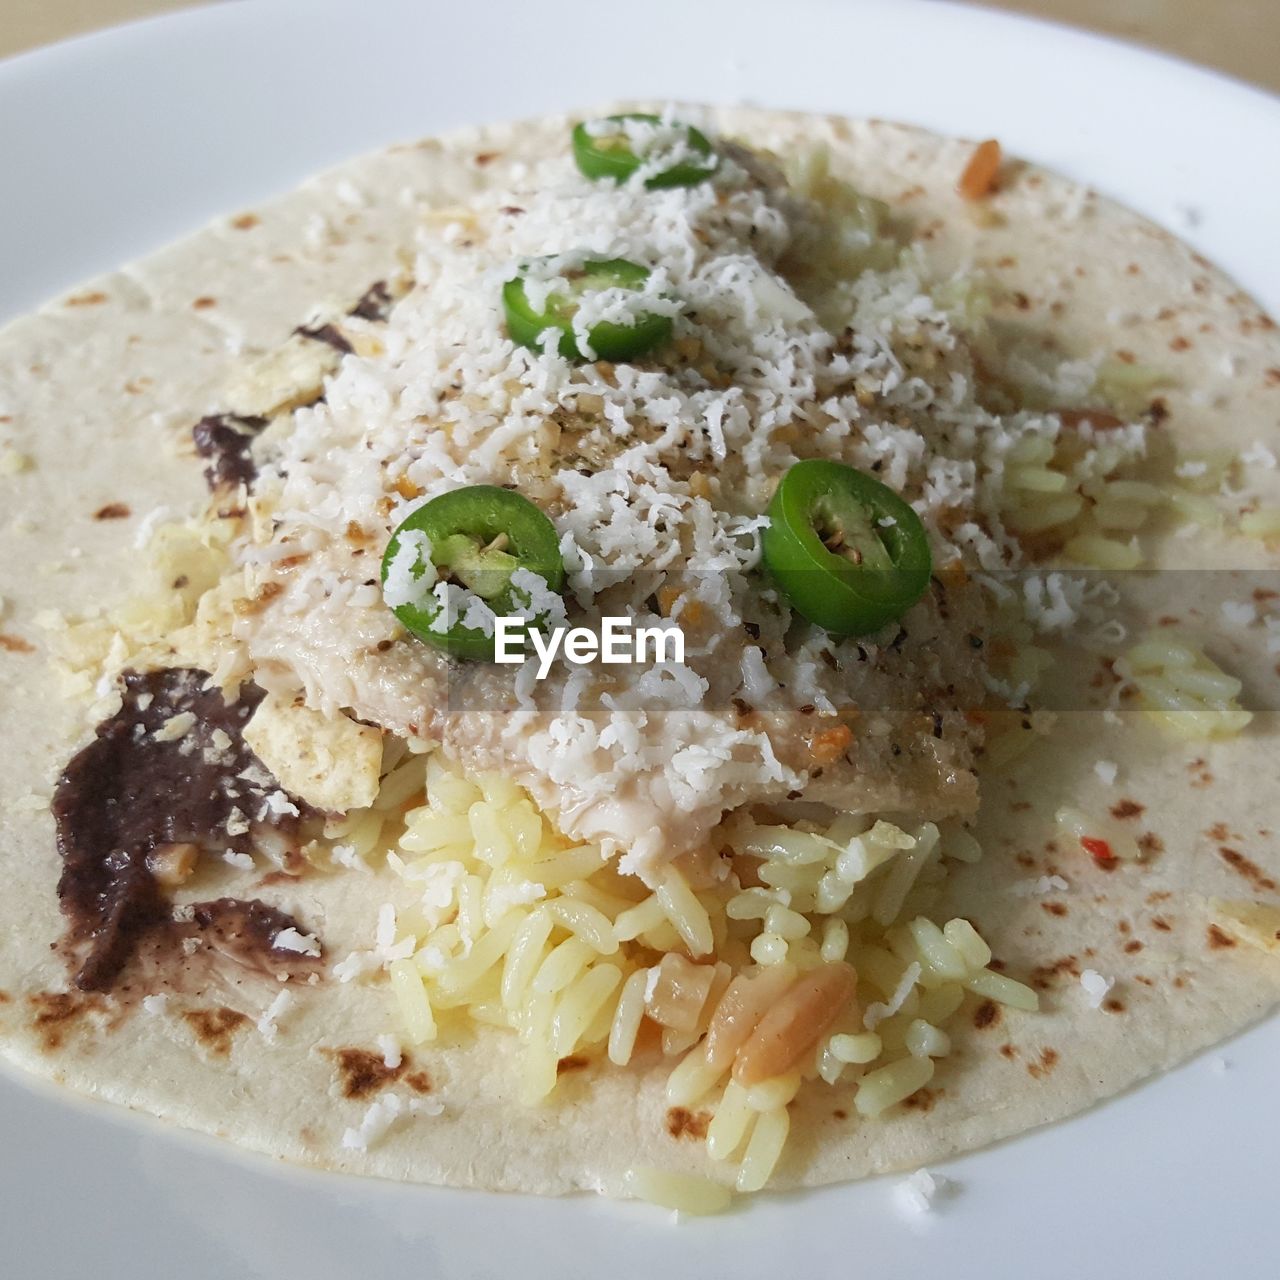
x: 112, y: 145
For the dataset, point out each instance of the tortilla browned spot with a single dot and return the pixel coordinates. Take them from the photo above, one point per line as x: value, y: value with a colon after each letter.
x: 922, y: 1100
x: 362, y: 1072
x: 1127, y: 809
x: 572, y: 1063
x: 1247, y: 868
x: 682, y: 1123
x: 1218, y: 940
x: 1044, y: 975
x: 112, y: 511
x: 15, y: 644
x: 215, y: 1027
x: 1198, y: 768
x: 56, y: 1012
x: 987, y: 1014
x: 1048, y: 1060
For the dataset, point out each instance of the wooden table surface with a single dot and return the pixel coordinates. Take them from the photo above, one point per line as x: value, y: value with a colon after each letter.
x: 1241, y: 37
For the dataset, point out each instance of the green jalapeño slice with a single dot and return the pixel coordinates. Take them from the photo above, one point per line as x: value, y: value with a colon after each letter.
x: 602, y: 151
x: 847, y: 552
x: 479, y: 538
x: 609, y: 340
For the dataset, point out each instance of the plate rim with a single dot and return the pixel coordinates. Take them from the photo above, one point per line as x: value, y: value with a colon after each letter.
x: 132, y: 40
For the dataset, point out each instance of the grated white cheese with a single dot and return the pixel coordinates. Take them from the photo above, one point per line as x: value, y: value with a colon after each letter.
x: 357, y: 964
x: 156, y: 1004
x: 878, y: 1011
x: 1258, y: 455
x: 411, y: 576
x: 278, y: 805
x: 1107, y: 771
x: 1095, y: 987
x: 1038, y: 886
x: 1048, y: 604
x: 915, y: 1195
x: 377, y: 1121
x: 534, y: 600
x: 503, y: 897
x: 382, y: 1116
x: 872, y: 371
x: 392, y: 1053
x: 1239, y: 613
x: 659, y: 145
x: 440, y: 883
x: 268, y: 1020
x: 385, y: 934
x: 345, y: 855
x: 305, y: 944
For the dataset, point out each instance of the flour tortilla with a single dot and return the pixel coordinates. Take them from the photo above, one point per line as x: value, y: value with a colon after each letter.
x: 100, y: 390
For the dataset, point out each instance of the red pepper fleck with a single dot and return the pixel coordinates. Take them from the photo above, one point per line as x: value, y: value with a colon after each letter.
x: 1099, y: 850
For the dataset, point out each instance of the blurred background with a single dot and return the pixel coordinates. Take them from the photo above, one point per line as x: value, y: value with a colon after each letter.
x: 1240, y: 37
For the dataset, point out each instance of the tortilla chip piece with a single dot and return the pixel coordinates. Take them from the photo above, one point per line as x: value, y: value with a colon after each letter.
x: 291, y: 375
x: 1255, y: 923
x: 331, y: 762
